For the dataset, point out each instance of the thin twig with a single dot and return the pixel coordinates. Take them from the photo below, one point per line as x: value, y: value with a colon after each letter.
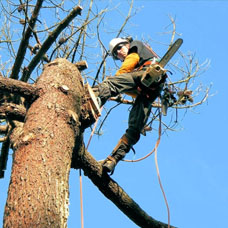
x: 49, y: 41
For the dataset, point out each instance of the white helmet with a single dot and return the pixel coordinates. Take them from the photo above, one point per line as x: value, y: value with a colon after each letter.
x: 114, y: 44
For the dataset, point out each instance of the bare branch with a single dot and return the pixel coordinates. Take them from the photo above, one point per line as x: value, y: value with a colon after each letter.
x: 118, y: 34
x: 17, y: 87
x: 121, y: 100
x: 24, y: 42
x: 204, y: 99
x: 126, y: 19
x: 49, y: 41
x: 12, y: 111
x: 4, y: 157
x: 4, y: 129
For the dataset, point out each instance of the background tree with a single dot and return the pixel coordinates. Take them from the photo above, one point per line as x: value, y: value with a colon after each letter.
x: 38, y: 42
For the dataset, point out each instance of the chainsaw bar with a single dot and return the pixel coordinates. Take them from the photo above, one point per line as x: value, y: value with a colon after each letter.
x: 170, y: 53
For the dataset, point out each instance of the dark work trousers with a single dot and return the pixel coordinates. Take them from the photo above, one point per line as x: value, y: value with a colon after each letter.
x: 128, y: 82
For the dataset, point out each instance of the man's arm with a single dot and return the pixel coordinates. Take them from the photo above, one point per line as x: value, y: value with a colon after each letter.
x: 129, y: 63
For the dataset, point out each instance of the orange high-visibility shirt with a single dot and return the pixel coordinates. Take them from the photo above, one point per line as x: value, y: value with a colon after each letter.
x: 129, y: 64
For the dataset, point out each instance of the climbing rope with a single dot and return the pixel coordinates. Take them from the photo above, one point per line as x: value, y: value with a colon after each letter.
x: 137, y: 160
x: 81, y: 198
x: 80, y: 175
x: 158, y: 174
x: 156, y: 164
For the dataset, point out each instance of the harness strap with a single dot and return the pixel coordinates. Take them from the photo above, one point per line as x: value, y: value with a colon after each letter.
x: 146, y: 64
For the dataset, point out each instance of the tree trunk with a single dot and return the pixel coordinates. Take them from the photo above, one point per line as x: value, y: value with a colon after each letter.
x: 38, y: 193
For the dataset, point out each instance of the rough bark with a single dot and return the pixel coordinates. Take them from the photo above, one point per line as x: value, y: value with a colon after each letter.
x: 19, y: 88
x: 38, y: 191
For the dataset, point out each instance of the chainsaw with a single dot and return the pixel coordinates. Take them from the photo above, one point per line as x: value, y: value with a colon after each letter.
x: 155, y: 70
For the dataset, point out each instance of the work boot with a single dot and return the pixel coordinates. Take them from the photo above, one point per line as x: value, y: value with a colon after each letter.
x: 117, y: 155
x: 109, y: 164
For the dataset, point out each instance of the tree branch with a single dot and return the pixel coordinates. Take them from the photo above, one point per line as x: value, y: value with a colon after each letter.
x: 25, y: 40
x: 17, y: 87
x: 4, y: 157
x: 81, y: 65
x: 49, y: 41
x: 4, y: 129
x: 12, y: 111
x: 114, y: 192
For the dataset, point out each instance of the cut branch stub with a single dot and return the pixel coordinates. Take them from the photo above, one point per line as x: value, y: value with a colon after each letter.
x: 82, y: 65
x: 90, y: 109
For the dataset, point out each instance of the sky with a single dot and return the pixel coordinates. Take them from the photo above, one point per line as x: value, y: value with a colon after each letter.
x: 192, y: 159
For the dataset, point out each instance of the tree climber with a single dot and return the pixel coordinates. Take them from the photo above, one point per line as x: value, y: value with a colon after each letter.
x: 135, y: 57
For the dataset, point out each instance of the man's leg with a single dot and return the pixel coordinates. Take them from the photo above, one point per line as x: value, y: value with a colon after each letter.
x: 113, y: 86
x: 137, y: 119
x: 138, y: 115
